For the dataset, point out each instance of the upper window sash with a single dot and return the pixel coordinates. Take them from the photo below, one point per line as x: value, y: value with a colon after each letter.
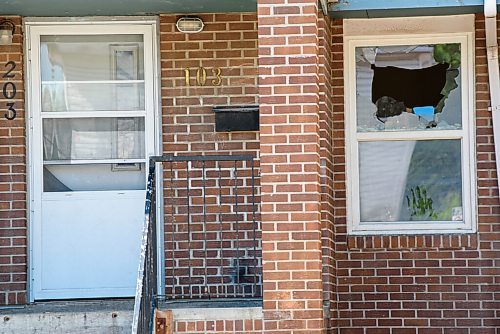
x: 466, y: 80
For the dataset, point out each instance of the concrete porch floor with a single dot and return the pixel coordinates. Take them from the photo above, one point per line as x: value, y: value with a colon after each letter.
x: 106, y: 316
x: 114, y: 316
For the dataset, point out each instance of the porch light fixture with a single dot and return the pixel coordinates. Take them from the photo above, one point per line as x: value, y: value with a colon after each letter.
x: 189, y: 24
x: 7, y: 29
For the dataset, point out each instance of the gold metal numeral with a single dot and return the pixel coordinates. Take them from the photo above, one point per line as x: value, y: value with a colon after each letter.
x: 187, y: 76
x: 218, y: 79
x: 201, y: 76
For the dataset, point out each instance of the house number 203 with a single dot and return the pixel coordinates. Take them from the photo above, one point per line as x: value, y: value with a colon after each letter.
x: 201, y: 74
x: 9, y: 90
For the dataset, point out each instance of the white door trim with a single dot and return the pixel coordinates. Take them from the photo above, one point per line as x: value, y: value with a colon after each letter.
x: 92, y: 25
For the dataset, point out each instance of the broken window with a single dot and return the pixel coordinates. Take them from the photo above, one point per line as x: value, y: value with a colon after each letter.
x: 409, y: 118
x: 408, y: 87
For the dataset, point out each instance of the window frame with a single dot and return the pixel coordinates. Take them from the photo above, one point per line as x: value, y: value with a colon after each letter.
x: 386, y: 32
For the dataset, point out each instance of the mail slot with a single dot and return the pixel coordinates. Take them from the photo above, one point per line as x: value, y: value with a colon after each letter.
x: 236, y: 118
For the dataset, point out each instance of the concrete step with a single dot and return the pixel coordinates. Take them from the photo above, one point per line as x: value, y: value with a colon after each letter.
x: 69, y: 317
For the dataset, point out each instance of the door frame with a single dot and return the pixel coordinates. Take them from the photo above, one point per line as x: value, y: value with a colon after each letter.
x: 28, y: 24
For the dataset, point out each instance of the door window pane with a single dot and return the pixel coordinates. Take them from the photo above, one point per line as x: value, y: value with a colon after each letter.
x: 93, y: 138
x: 89, y: 73
x: 83, y: 96
x: 410, y: 181
x: 93, y: 177
x: 408, y: 87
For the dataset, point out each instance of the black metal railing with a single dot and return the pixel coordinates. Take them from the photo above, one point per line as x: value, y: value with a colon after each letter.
x: 211, y: 237
x: 147, y: 281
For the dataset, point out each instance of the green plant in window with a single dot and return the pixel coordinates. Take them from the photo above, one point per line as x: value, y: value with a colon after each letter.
x: 447, y: 54
x: 449, y: 201
x: 420, y: 204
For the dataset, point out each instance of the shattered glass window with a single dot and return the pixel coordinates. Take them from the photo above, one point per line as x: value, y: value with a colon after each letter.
x: 408, y: 87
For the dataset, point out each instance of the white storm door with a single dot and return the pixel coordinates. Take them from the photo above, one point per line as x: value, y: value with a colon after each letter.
x: 92, y: 108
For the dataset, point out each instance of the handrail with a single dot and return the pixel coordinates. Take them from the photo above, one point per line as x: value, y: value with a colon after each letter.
x: 147, y: 296
x: 147, y: 287
x: 185, y: 158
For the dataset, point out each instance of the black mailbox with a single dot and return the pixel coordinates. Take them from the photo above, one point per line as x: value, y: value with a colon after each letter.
x: 236, y: 118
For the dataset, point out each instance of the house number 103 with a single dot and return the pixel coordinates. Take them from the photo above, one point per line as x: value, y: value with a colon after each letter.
x: 201, y: 76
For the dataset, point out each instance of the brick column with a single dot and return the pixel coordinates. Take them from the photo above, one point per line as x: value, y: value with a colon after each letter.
x: 327, y: 167
x: 13, y: 232
x: 290, y: 165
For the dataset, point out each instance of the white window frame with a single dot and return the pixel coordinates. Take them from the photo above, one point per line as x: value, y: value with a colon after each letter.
x: 411, y: 31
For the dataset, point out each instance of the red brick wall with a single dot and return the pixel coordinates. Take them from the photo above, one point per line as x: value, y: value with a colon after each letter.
x: 290, y: 165
x: 228, y: 42
x: 13, y: 232
x: 243, y: 326
x: 420, y: 284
